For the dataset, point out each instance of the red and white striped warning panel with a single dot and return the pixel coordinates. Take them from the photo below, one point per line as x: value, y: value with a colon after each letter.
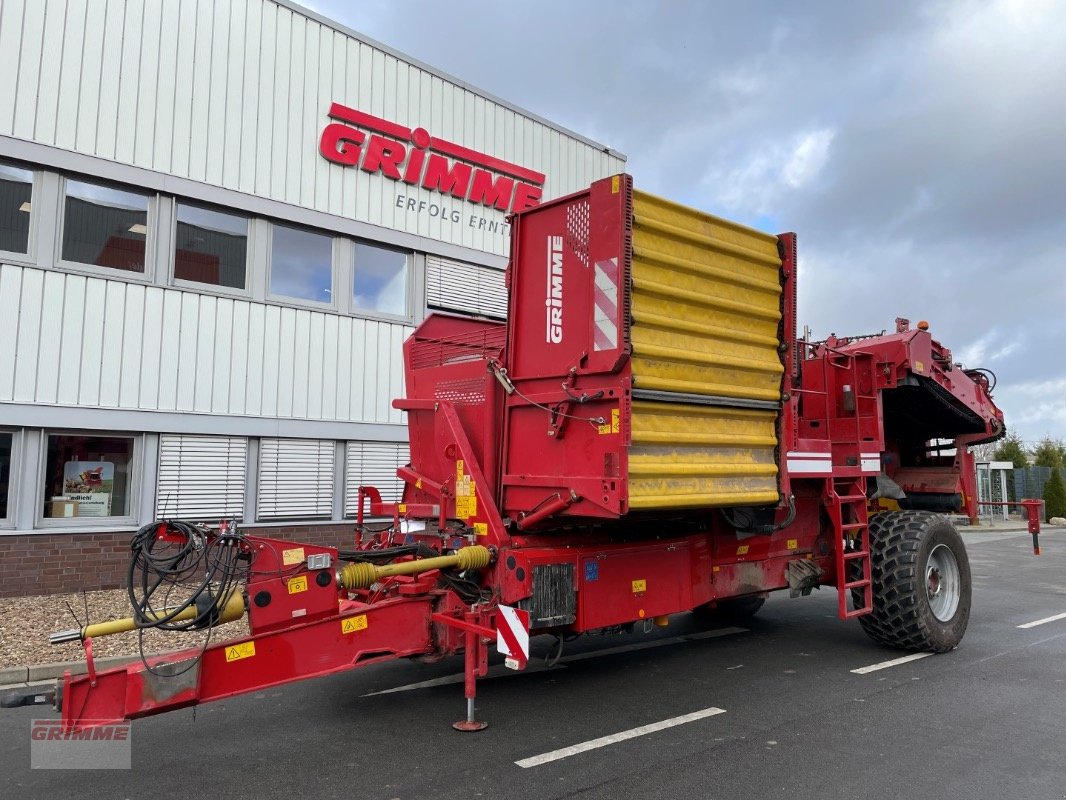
x: 512, y: 636
x: 605, y: 313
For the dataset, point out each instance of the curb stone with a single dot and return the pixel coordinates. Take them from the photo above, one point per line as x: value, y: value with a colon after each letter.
x: 16, y: 676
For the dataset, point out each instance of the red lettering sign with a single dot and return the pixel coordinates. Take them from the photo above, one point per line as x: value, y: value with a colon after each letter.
x: 414, y: 157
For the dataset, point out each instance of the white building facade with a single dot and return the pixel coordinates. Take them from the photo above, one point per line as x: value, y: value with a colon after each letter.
x: 218, y: 224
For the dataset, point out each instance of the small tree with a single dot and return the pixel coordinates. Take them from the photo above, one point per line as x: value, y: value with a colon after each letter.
x: 1011, y: 449
x: 1054, y: 496
x: 1048, y: 453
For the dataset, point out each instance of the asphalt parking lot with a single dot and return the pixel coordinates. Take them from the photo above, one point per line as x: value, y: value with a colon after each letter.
x: 797, y: 704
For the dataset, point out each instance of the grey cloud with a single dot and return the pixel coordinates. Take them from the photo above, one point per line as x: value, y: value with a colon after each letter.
x: 940, y: 193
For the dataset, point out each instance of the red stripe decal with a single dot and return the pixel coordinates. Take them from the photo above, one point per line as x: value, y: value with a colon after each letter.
x: 511, y: 641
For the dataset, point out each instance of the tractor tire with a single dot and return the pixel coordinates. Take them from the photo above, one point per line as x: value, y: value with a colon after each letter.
x: 921, y: 582
x: 734, y: 611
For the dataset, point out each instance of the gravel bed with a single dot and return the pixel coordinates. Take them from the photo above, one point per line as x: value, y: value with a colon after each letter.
x: 25, y: 623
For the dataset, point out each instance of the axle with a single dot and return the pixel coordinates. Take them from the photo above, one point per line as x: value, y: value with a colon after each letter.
x: 361, y: 575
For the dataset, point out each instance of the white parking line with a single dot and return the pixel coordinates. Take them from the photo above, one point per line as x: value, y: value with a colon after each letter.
x: 614, y: 738
x: 895, y: 662
x: 500, y: 671
x: 1042, y: 621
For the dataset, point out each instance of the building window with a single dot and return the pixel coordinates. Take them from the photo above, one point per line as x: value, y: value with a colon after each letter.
x: 6, y: 442
x: 201, y: 478
x: 373, y: 464
x: 211, y: 247
x: 295, y: 478
x: 301, y: 264
x: 457, y: 286
x: 380, y: 282
x: 104, y: 226
x: 87, y: 476
x: 16, y: 201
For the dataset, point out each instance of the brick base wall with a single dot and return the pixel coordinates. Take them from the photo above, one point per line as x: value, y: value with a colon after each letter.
x: 69, y: 562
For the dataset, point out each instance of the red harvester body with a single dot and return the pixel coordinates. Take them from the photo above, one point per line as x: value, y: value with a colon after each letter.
x: 644, y: 436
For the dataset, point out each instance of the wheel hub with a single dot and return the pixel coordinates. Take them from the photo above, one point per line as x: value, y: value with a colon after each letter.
x: 943, y: 584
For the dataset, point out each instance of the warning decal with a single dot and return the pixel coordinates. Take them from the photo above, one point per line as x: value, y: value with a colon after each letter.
x: 298, y: 584
x: 292, y: 556
x: 353, y: 624
x: 465, y: 494
x: 235, y: 652
x: 512, y: 636
x: 614, y: 426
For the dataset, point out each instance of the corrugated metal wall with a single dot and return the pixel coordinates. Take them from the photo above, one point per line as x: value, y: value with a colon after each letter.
x: 236, y: 94
x: 94, y: 342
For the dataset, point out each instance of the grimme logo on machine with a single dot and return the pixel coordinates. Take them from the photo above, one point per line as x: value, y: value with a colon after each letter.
x: 554, y: 294
x: 414, y: 157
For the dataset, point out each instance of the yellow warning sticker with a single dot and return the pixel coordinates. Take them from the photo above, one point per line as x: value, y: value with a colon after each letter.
x: 640, y: 586
x: 466, y: 507
x: 293, y: 556
x: 402, y: 508
x: 742, y: 550
x: 418, y: 484
x: 614, y: 184
x: 792, y: 544
x: 614, y: 426
x: 298, y: 584
x: 353, y: 624
x: 459, y: 469
x: 481, y: 528
x: 235, y: 652
x: 919, y: 366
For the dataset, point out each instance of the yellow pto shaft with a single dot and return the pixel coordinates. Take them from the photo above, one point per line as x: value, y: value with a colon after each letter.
x: 233, y: 610
x: 361, y: 575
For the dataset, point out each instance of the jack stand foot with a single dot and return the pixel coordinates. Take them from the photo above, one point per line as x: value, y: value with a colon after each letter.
x: 470, y: 724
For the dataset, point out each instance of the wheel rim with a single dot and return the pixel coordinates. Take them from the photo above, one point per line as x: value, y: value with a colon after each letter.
x: 942, y: 582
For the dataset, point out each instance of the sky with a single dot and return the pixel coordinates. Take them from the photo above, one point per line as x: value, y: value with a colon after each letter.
x: 917, y: 149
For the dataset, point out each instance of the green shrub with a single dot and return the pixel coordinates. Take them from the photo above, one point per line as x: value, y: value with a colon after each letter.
x: 1054, y: 496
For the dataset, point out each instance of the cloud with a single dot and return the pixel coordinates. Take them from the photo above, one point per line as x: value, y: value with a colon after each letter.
x: 808, y: 158
x: 915, y: 148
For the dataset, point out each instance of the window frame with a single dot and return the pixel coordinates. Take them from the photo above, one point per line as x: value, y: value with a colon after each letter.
x: 157, y: 501
x: 133, y: 489
x: 335, y: 271
x: 254, y: 246
x: 36, y: 196
x: 403, y: 457
x: 325, y: 516
x: 10, y: 521
x: 127, y: 276
x: 351, y: 309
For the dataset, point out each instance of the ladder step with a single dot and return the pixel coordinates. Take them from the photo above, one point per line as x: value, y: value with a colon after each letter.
x: 858, y: 612
x: 851, y: 555
x: 851, y: 498
x: 857, y: 584
x: 853, y: 526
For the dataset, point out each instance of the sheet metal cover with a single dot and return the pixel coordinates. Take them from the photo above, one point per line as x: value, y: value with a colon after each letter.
x: 691, y: 456
x: 705, y: 304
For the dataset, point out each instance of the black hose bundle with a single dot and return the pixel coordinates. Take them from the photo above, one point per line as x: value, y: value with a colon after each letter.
x: 185, y: 568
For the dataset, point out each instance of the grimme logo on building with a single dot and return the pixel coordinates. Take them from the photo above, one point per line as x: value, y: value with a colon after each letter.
x: 414, y: 157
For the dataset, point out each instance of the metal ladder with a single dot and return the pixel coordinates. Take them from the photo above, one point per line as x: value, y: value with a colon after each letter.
x: 845, y: 501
